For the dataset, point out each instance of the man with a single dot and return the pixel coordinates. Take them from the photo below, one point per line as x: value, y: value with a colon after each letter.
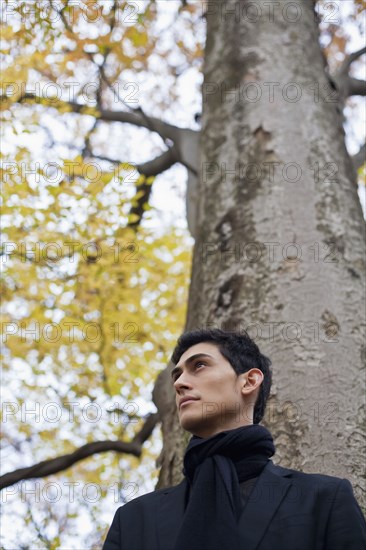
x: 232, y: 495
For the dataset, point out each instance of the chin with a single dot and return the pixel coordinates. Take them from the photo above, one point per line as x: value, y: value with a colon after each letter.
x: 193, y: 426
x: 189, y: 424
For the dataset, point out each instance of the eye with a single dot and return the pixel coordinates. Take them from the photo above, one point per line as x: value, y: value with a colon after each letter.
x: 198, y: 364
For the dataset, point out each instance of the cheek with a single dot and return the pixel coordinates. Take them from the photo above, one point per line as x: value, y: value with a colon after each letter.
x: 219, y: 386
x: 229, y: 387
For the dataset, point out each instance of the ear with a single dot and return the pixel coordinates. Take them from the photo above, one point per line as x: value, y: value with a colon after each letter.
x: 252, y: 379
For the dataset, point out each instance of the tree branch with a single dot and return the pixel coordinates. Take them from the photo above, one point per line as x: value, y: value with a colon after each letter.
x: 344, y: 68
x: 147, y: 429
x: 348, y: 86
x: 150, y: 168
x: 103, y: 77
x: 356, y: 86
x: 164, y: 129
x: 60, y: 463
x: 184, y: 147
x: 158, y: 164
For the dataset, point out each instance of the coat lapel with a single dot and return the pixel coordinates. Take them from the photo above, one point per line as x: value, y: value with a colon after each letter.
x: 265, y: 498
x: 170, y: 514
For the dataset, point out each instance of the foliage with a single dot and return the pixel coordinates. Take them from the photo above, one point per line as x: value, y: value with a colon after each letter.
x: 91, y: 310
x: 92, y: 304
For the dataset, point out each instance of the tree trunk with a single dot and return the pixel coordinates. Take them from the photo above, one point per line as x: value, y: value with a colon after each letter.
x: 279, y: 249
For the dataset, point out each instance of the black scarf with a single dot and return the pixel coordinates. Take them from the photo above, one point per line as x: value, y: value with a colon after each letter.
x: 214, y: 467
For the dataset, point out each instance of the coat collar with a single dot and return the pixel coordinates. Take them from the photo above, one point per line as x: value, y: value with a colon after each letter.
x: 265, y: 498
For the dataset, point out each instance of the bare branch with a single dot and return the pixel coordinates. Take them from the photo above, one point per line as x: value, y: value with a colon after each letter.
x: 344, y: 68
x: 60, y: 463
x: 86, y: 148
x: 151, y: 167
x: 164, y: 129
x: 112, y: 17
x: 356, y: 87
x: 348, y: 86
x: 158, y: 164
x: 147, y: 429
x: 148, y: 169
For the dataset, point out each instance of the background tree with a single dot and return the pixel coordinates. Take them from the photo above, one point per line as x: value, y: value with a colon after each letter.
x: 80, y: 218
x: 280, y: 246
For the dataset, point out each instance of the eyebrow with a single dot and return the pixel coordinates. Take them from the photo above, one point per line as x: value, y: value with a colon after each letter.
x: 189, y: 361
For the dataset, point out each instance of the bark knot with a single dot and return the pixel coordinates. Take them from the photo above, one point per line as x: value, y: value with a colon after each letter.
x: 330, y: 325
x: 228, y: 292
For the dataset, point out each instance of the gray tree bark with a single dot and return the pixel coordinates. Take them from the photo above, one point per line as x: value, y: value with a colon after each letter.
x: 279, y: 246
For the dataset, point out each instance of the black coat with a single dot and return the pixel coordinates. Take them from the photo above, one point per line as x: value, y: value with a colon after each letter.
x: 286, y: 510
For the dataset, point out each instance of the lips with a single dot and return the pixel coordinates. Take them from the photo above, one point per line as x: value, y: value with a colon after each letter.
x: 187, y: 399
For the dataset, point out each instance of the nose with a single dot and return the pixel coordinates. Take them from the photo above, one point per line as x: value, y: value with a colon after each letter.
x: 182, y: 382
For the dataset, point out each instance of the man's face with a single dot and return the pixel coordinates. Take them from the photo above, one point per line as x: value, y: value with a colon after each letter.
x: 203, y: 373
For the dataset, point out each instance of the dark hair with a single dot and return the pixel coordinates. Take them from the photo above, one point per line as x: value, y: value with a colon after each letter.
x: 242, y: 353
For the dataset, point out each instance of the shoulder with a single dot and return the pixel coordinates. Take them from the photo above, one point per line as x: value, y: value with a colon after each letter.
x: 305, y: 476
x: 315, y: 481
x: 332, y: 502
x: 148, y: 500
